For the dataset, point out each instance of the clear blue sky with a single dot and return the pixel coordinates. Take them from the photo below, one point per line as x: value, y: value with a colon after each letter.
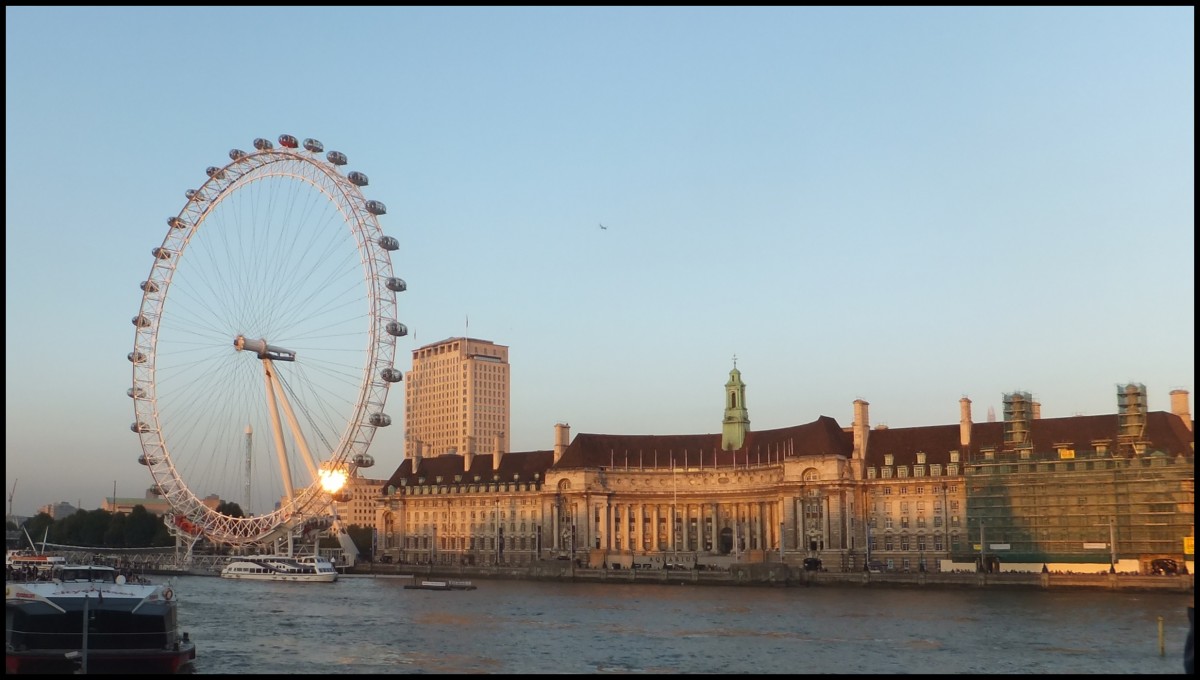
x: 901, y: 205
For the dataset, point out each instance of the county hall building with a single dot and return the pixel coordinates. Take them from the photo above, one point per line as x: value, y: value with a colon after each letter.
x: 1085, y: 493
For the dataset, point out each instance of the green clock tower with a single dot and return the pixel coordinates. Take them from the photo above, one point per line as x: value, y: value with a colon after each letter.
x: 737, y: 420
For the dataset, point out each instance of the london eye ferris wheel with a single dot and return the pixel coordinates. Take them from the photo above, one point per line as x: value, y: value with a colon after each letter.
x: 269, y: 310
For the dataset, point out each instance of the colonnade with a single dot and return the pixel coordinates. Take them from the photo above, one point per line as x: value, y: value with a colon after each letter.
x: 658, y: 526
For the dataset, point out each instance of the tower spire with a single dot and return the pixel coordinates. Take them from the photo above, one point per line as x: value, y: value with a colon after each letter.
x: 736, y: 423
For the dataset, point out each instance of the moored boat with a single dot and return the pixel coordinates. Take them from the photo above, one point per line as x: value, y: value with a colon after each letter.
x: 305, y: 568
x: 91, y: 618
x: 441, y: 585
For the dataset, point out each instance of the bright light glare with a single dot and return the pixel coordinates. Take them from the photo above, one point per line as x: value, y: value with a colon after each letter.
x: 333, y: 480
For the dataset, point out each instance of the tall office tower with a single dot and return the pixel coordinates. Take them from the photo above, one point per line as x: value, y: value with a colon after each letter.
x: 456, y: 398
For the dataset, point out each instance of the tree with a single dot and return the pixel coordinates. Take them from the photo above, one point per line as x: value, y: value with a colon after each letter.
x: 363, y: 537
x: 116, y: 533
x: 142, y: 528
x: 230, y: 508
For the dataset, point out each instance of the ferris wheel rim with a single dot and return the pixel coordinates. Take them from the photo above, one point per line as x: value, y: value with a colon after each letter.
x: 367, y: 413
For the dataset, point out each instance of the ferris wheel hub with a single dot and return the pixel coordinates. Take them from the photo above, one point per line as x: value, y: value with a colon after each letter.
x: 262, y: 349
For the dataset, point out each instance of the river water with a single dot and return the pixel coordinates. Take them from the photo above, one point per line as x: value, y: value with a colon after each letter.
x: 374, y: 625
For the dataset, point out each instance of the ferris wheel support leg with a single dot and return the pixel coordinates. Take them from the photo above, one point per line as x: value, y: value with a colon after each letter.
x: 277, y: 429
x: 306, y: 455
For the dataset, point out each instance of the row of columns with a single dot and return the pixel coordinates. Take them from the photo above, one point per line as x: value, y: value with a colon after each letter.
x: 756, y: 524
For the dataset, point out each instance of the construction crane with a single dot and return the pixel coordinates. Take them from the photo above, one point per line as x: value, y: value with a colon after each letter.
x: 8, y: 517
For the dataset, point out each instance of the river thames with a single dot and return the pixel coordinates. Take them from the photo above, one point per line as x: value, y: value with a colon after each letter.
x: 375, y: 625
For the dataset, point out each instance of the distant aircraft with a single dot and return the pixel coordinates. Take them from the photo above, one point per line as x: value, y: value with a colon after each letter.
x: 604, y: 227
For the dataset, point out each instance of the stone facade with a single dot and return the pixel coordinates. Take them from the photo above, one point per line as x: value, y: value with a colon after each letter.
x: 899, y: 497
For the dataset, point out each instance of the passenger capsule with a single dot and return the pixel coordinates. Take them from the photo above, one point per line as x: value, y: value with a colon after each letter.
x: 395, y: 283
x: 176, y: 223
x: 288, y: 141
x: 389, y: 243
x: 135, y: 393
x: 263, y: 144
x: 236, y: 154
x: 364, y: 460
x: 214, y: 171
x: 357, y: 178
x: 136, y: 357
x: 193, y: 195
x: 161, y: 253
x: 391, y: 375
x: 376, y: 208
x: 141, y: 321
x: 342, y: 496
x: 336, y: 157
x: 148, y: 286
x: 313, y: 145
x: 144, y: 461
x: 140, y: 427
x: 397, y: 329
x: 380, y: 419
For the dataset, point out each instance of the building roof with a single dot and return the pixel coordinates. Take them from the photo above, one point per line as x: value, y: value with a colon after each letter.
x: 619, y: 451
x: 447, y: 466
x: 1164, y: 432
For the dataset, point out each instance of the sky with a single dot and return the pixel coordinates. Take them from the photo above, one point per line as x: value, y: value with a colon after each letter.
x: 902, y: 205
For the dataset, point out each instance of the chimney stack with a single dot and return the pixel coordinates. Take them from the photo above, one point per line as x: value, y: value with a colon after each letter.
x: 1181, y: 407
x: 964, y: 423
x: 862, y: 428
x: 562, y: 438
x: 497, y: 453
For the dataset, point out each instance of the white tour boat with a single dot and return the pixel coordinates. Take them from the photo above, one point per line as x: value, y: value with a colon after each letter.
x: 303, y: 568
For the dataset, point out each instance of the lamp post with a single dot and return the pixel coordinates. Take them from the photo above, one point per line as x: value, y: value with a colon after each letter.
x: 982, y: 548
x: 1112, y: 545
x: 946, y: 518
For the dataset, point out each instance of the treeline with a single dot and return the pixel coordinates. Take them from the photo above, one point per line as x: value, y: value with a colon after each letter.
x: 138, y: 528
